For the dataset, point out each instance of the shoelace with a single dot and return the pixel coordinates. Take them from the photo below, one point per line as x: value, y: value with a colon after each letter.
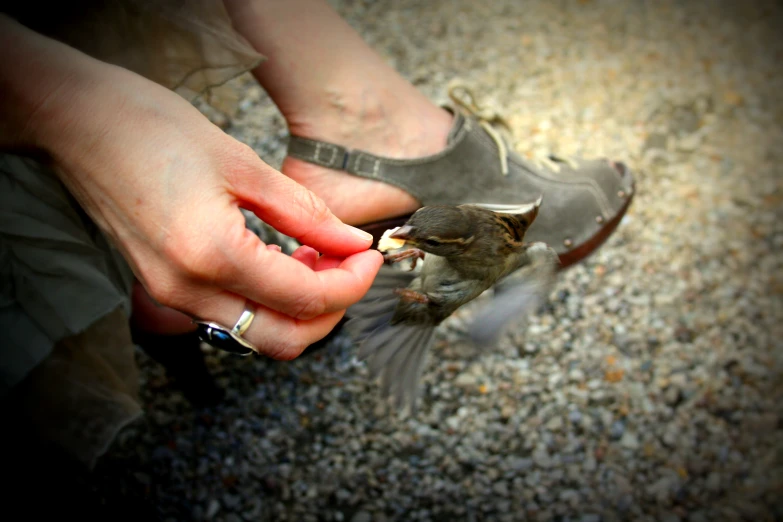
x: 487, y: 117
x: 553, y: 162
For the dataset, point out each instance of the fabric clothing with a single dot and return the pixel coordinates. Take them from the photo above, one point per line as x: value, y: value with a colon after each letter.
x: 187, y: 46
x: 59, y: 273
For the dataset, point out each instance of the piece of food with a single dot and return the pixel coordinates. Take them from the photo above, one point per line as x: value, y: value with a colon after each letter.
x: 389, y: 243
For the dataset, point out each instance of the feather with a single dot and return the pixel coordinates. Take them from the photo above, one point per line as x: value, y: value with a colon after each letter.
x: 516, y: 296
x: 395, y: 353
x: 512, y: 209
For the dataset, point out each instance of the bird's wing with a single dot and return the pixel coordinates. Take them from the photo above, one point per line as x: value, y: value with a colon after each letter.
x: 397, y: 353
x: 510, y: 209
x: 517, y: 295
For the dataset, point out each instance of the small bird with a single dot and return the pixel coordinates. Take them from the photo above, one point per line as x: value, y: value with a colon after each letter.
x: 465, y: 250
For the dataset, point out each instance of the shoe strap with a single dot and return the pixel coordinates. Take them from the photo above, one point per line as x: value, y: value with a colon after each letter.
x: 412, y: 175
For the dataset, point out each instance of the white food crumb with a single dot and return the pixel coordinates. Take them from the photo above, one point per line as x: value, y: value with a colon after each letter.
x: 389, y: 243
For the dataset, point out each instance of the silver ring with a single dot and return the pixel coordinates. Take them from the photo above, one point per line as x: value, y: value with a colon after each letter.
x: 227, y: 340
x: 243, y: 323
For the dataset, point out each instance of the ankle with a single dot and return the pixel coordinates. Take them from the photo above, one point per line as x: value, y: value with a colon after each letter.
x: 393, y: 121
x: 381, y: 123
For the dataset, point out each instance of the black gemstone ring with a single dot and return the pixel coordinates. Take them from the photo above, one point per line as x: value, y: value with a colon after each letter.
x: 229, y: 340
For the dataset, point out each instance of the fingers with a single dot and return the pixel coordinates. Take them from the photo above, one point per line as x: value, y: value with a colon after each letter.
x: 302, y: 295
x: 307, y: 286
x: 294, y: 210
x: 302, y: 285
x: 314, y: 261
x: 306, y: 255
x: 335, y: 283
x: 217, y: 264
x: 327, y: 262
x: 272, y: 333
x: 275, y: 333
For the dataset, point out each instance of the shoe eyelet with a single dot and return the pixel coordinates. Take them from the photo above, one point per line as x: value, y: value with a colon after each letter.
x: 621, y: 193
x: 599, y: 219
x: 567, y: 242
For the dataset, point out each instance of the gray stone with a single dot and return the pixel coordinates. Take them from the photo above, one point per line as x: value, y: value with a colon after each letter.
x: 713, y: 482
x: 630, y: 440
x: 519, y: 463
x: 617, y: 429
x: 670, y: 517
x: 212, y: 509
x: 555, y: 424
x: 361, y: 516
x: 500, y: 488
x: 541, y: 458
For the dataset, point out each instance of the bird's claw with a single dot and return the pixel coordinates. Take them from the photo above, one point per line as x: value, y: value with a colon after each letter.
x: 412, y: 295
x: 413, y: 253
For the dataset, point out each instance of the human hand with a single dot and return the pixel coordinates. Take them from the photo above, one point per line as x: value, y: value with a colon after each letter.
x: 167, y: 187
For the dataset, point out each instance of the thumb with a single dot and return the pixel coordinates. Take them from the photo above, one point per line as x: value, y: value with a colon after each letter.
x: 297, y: 212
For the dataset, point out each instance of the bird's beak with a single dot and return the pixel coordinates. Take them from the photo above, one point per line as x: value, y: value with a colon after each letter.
x: 405, y: 232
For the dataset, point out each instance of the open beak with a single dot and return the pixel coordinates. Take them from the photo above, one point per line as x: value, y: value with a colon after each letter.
x: 405, y: 232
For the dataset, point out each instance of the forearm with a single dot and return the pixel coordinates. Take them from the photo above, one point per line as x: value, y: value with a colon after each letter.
x: 44, y: 89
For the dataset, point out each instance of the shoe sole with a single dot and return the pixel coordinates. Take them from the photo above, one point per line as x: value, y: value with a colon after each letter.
x: 584, y: 250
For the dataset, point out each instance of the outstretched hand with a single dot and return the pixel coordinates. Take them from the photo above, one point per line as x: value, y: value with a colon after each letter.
x: 166, y: 186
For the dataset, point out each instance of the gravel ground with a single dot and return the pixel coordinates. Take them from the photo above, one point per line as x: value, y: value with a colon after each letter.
x: 648, y: 389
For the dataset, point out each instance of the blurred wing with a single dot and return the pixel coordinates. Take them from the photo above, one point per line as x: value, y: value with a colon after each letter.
x: 376, y: 308
x: 396, y: 353
x: 516, y: 296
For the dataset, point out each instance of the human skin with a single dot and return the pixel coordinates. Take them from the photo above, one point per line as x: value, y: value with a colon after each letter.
x: 166, y: 186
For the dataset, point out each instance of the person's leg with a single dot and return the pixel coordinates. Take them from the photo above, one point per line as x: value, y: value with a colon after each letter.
x: 84, y: 393
x: 331, y: 86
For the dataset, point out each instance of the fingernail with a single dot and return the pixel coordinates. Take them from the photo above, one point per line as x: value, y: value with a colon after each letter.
x: 274, y: 247
x: 360, y: 233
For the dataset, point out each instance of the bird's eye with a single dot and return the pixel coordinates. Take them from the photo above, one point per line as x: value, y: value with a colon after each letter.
x: 431, y: 242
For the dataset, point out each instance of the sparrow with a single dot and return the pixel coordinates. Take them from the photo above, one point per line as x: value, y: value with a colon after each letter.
x: 464, y: 250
